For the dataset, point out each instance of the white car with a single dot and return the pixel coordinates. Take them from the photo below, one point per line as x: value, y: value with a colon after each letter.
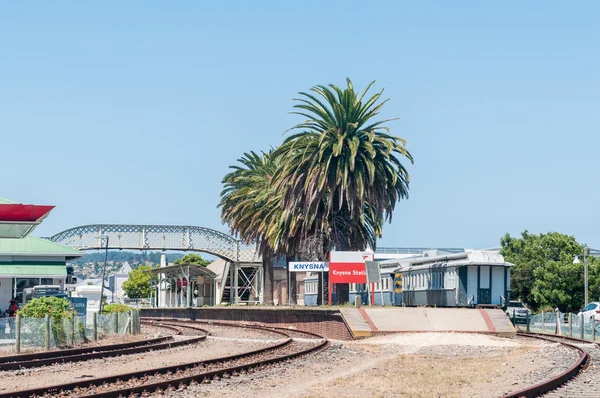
x: 591, y: 311
x: 517, y: 311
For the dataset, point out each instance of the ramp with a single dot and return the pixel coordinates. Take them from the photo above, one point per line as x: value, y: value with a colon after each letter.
x: 356, y: 322
x: 366, y: 321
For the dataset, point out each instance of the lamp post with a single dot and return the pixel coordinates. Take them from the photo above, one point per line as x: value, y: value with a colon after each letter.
x: 585, y: 271
x: 103, y: 238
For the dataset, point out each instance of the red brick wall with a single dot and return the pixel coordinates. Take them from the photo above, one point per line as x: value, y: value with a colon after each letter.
x: 327, y: 323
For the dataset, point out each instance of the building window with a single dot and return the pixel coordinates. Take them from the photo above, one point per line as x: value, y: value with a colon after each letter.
x: 310, y: 288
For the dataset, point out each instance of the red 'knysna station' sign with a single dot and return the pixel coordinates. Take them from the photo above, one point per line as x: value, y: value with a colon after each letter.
x: 348, y: 267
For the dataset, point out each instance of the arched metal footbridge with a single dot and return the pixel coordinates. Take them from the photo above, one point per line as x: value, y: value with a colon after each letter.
x: 242, y: 276
x: 157, y: 237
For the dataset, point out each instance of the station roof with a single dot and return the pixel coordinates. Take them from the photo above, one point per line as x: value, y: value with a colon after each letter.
x: 33, y: 246
x: 475, y: 257
x: 177, y: 270
x: 18, y: 220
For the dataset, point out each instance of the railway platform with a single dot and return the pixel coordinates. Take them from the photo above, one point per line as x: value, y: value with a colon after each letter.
x: 365, y: 321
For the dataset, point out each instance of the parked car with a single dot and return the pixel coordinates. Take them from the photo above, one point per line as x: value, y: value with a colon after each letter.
x: 518, y: 310
x: 591, y: 311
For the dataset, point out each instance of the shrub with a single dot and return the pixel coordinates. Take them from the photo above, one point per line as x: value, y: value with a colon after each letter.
x: 58, y: 309
x: 111, y: 308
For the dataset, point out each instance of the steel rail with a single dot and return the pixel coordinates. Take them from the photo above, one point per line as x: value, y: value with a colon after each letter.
x: 40, y: 359
x: 61, y: 388
x: 560, y: 379
x: 77, y: 351
x: 207, y: 376
x: 252, y: 325
x: 74, y: 387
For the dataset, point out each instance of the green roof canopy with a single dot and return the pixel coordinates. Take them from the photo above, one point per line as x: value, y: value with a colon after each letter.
x: 32, y: 245
x: 33, y: 271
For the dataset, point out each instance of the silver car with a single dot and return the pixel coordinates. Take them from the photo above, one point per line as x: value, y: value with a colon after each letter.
x: 518, y: 310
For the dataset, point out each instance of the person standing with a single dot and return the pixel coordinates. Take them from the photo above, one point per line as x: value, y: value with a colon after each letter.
x: 13, y: 307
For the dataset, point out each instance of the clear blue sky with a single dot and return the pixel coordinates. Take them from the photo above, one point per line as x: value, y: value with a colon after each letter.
x: 131, y: 112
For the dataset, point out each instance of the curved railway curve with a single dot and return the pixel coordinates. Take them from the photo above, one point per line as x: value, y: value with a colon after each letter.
x: 38, y: 359
x: 582, y: 379
x: 178, y: 376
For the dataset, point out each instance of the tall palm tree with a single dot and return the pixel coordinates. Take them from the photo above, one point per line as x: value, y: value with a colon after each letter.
x: 342, y: 168
x: 249, y: 205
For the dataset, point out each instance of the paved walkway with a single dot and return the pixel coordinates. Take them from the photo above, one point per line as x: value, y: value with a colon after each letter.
x: 368, y: 320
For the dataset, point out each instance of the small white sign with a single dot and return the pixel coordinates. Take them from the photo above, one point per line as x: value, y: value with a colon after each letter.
x: 309, y: 266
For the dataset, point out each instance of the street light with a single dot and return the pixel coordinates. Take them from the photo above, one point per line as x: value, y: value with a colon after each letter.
x: 585, y: 270
x: 103, y: 238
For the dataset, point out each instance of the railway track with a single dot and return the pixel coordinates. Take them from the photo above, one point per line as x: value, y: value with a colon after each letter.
x: 582, y: 379
x: 34, y: 360
x: 178, y: 376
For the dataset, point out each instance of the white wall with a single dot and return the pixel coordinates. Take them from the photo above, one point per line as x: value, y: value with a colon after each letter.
x: 5, y: 293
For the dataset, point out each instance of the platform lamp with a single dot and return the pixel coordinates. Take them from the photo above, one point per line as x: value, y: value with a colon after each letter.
x: 103, y: 238
x: 585, y: 271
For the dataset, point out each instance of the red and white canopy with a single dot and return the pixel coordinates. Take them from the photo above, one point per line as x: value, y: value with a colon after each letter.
x: 18, y: 220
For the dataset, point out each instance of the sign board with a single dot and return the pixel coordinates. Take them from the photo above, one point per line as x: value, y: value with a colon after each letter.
x: 79, y: 304
x: 373, y: 271
x: 348, y: 267
x: 398, y: 283
x: 309, y: 266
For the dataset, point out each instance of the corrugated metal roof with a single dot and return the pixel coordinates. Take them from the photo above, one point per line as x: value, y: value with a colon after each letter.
x: 34, y: 245
x: 12, y: 270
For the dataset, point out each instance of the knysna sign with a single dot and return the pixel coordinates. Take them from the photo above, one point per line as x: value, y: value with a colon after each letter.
x: 305, y: 266
x: 348, y: 267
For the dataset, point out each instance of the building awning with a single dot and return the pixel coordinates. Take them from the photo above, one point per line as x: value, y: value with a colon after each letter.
x: 33, y: 271
x: 18, y: 220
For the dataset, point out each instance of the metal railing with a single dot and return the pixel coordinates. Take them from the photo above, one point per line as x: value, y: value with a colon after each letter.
x: 559, y: 323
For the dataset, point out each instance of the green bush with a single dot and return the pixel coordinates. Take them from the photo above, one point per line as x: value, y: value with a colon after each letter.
x: 58, y: 309
x: 111, y: 308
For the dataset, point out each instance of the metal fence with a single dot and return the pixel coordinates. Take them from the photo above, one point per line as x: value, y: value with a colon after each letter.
x: 20, y: 332
x: 559, y: 323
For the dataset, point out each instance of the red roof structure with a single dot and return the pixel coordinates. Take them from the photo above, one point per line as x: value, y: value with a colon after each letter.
x: 18, y: 220
x: 23, y: 213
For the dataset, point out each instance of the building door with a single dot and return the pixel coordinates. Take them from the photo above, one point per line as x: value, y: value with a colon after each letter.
x: 497, y: 284
x: 472, y: 283
x: 484, y: 294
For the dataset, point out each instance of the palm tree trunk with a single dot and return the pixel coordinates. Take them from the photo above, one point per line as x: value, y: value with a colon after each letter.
x: 267, y: 260
x: 292, y: 279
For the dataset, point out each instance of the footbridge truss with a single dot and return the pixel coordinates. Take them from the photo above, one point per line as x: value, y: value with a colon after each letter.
x: 157, y: 237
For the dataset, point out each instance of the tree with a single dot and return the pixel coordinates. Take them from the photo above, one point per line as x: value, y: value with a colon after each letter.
x: 138, y: 284
x: 341, y: 168
x: 193, y: 258
x: 250, y: 206
x: 544, y: 274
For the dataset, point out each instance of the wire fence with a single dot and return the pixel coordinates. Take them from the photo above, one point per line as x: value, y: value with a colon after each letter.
x: 47, y: 333
x: 559, y: 323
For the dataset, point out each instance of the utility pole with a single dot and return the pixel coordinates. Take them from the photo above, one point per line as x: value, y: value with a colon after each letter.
x: 103, y: 273
x: 585, y: 272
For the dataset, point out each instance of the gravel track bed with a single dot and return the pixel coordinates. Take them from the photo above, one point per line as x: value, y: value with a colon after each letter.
x: 156, y: 378
x: 586, y: 383
x: 404, y: 365
x: 236, y: 332
x: 71, y: 372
